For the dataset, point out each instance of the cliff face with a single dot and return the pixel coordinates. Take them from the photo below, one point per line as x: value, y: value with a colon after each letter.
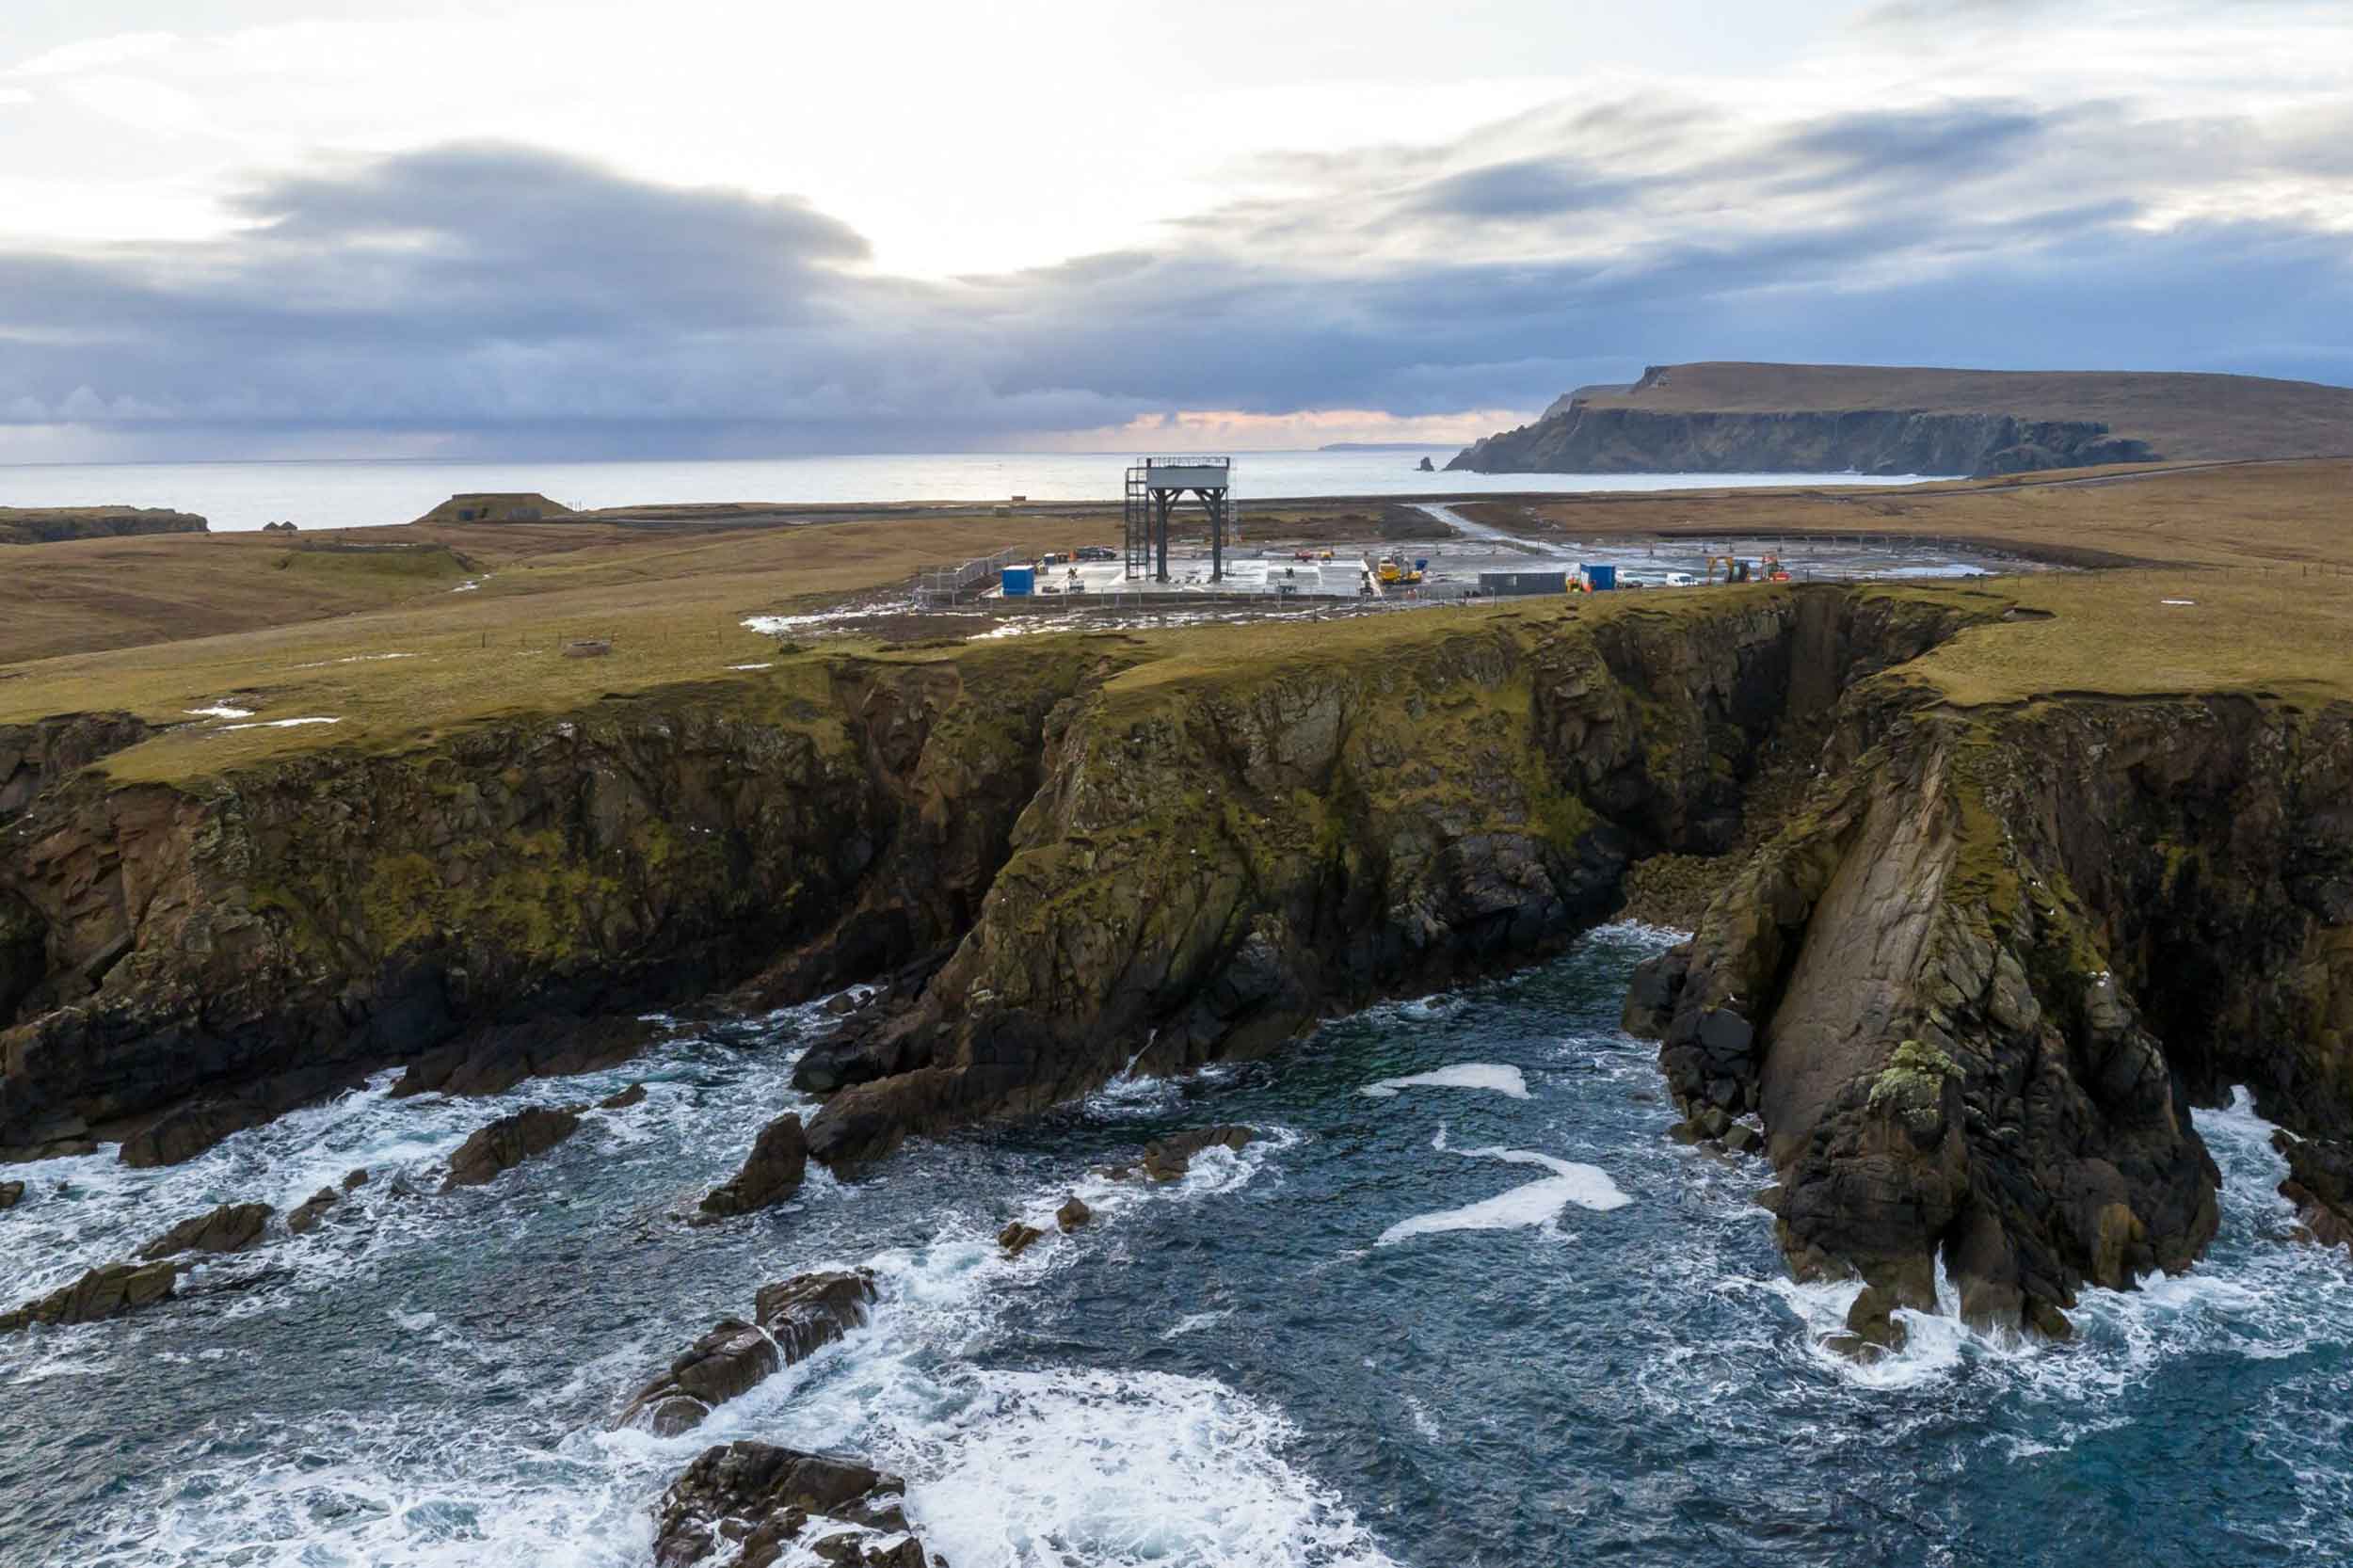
x: 291, y: 925
x: 1972, y: 989
x: 1580, y: 439
x: 1724, y: 418
x: 1210, y: 868
x: 56, y: 524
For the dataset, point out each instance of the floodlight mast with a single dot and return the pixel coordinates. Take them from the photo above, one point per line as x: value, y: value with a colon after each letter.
x: 1155, y: 488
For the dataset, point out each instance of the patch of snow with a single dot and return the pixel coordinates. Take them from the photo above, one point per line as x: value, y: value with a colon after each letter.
x: 276, y: 724
x: 220, y: 710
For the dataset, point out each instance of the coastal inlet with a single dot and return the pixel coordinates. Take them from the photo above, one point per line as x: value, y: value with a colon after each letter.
x: 1459, y: 1301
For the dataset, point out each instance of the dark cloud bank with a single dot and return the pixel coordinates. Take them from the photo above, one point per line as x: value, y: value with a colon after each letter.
x: 530, y: 303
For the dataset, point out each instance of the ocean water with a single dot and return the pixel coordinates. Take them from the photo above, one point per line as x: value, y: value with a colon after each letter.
x: 361, y: 493
x: 1464, y: 1304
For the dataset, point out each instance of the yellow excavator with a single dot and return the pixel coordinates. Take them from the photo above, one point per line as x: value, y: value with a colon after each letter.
x: 1735, y: 569
x: 1393, y: 568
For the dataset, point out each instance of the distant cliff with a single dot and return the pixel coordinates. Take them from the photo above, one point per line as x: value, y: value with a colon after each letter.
x: 56, y: 524
x: 1838, y: 419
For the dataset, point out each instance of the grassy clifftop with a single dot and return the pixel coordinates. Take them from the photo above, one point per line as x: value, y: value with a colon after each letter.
x: 2183, y: 415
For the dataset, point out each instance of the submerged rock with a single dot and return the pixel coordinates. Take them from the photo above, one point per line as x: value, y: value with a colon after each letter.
x: 793, y: 1319
x: 1871, y: 1329
x: 1072, y: 1214
x: 1017, y: 1238
x: 307, y: 1215
x: 231, y: 1227
x: 1169, y: 1159
x: 633, y: 1094
x: 107, y: 1291
x: 11, y: 1194
x: 771, y: 1174
x: 760, y: 1501
x: 507, y: 1142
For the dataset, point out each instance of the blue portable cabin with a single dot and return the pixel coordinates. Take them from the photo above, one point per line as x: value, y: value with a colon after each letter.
x: 1601, y: 579
x: 1020, y: 582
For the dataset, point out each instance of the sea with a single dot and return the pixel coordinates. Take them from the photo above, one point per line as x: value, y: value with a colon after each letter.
x: 1463, y: 1304
x: 357, y: 493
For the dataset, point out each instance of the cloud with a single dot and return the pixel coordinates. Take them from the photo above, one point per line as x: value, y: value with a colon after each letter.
x: 498, y: 298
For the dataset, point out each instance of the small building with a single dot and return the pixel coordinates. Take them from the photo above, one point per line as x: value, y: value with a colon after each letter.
x: 1524, y: 582
x: 499, y: 506
x: 278, y: 528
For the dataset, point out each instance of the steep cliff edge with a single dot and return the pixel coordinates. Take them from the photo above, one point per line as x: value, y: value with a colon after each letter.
x: 58, y: 525
x: 1970, y: 988
x: 1974, y: 987
x: 265, y: 934
x: 1731, y: 418
x: 1220, y: 856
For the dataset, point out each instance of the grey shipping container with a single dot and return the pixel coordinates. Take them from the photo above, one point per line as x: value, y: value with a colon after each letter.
x: 1524, y: 582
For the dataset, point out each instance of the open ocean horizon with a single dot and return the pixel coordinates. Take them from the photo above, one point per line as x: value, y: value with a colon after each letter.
x: 367, y: 492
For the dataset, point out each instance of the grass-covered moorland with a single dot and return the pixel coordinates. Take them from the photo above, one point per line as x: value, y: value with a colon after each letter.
x: 392, y: 646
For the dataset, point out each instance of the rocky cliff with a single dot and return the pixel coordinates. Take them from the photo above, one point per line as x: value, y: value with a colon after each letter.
x: 54, y: 524
x: 1730, y: 418
x: 1585, y: 439
x: 1973, y: 988
x: 1969, y: 989
x: 1211, y: 865
x: 261, y: 936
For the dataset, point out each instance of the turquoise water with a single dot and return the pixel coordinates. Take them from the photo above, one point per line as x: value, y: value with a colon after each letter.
x: 1495, y: 1319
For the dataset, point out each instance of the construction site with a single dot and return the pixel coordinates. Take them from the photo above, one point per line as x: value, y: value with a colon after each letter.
x: 1180, y: 541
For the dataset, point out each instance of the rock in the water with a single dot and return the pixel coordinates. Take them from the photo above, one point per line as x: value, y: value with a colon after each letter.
x: 759, y: 1500
x: 307, y: 1215
x: 1741, y: 1138
x: 1072, y: 1214
x: 508, y: 1141
x: 633, y: 1094
x: 355, y: 1178
x: 792, y: 1318
x: 1871, y: 1329
x: 107, y: 1291
x: 779, y: 1160
x: 186, y: 1131
x: 1168, y: 1158
x: 231, y: 1227
x: 1017, y: 1238
x: 496, y: 1059
x: 11, y: 1194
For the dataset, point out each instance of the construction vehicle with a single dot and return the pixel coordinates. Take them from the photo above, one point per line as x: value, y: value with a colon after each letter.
x: 1774, y: 573
x: 1394, y: 570
x: 1735, y: 569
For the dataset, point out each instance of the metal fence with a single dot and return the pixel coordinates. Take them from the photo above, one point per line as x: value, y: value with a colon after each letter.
x: 965, y: 580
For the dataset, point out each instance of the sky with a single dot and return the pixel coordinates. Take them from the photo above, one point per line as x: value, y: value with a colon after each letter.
x: 234, y: 229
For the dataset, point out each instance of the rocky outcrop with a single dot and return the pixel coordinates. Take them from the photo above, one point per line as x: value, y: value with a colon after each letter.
x: 1210, y: 865
x: 58, y: 524
x: 231, y: 1227
x: 259, y: 939
x: 494, y: 1061
x: 760, y: 1502
x: 1727, y: 417
x: 35, y: 757
x: 790, y: 1320
x: 11, y: 1194
x: 1168, y: 1158
x: 1585, y: 439
x: 771, y: 1172
x: 1974, y: 986
x: 507, y: 1142
x: 107, y: 1291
